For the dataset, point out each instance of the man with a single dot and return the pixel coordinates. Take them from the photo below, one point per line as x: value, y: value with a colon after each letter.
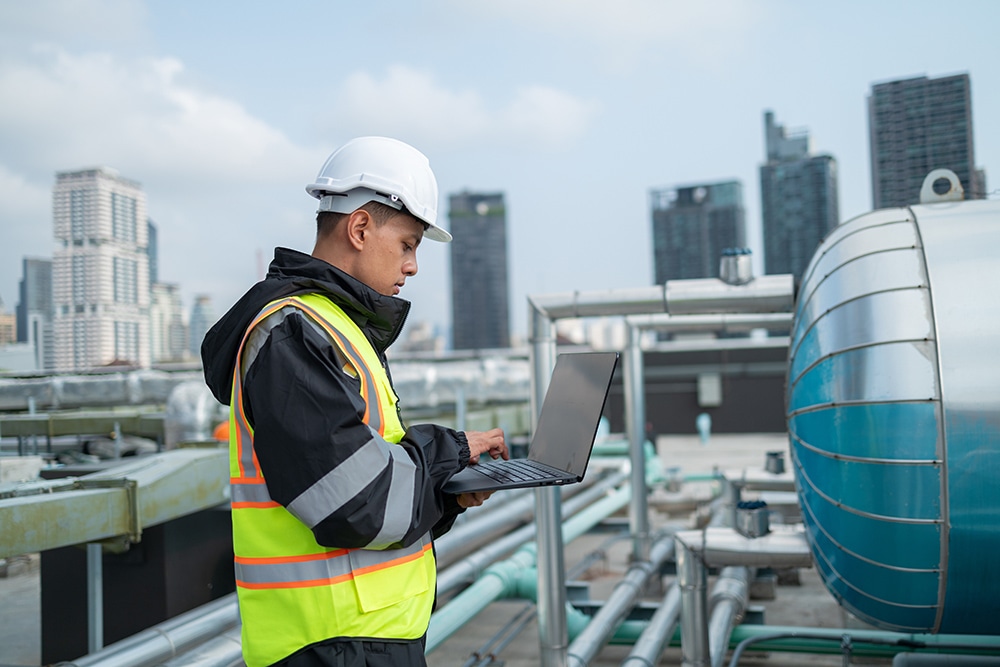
x: 334, y: 562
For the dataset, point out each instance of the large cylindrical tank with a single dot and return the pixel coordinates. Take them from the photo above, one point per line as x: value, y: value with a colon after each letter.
x: 893, y: 406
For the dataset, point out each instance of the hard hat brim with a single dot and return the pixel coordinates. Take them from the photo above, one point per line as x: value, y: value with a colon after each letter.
x: 348, y: 202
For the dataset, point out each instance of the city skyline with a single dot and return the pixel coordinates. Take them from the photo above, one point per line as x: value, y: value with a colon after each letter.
x: 575, y: 125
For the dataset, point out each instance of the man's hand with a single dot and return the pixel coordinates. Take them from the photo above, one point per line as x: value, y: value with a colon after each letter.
x: 486, y: 442
x: 472, y: 498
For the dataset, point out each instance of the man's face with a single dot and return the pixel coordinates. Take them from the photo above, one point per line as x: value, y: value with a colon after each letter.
x: 390, y: 253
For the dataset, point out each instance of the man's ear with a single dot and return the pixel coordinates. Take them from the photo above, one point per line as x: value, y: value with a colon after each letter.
x: 359, y: 224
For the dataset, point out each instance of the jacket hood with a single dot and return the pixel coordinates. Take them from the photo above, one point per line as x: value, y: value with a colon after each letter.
x: 380, y: 317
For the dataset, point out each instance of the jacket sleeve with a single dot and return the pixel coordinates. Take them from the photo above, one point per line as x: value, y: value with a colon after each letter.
x: 325, y: 465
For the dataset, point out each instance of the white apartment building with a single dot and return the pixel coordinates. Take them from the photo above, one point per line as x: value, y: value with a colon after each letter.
x: 100, y: 271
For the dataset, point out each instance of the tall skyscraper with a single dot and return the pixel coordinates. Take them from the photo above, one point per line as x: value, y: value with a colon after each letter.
x: 100, y: 272
x: 798, y: 195
x: 202, y: 319
x: 918, y: 125
x: 692, y: 225
x: 479, y: 292
x: 34, y: 310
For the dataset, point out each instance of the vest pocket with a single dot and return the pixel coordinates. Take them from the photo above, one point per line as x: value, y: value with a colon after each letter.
x: 388, y: 585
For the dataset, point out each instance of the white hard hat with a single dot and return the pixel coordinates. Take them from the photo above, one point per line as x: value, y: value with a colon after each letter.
x: 383, y: 170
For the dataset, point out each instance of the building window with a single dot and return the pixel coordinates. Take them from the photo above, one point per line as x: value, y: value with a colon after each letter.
x: 79, y: 344
x: 79, y: 279
x: 127, y: 341
x: 123, y: 218
x: 77, y: 214
x: 126, y: 275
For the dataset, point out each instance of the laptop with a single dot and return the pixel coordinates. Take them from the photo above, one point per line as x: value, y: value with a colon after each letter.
x: 564, y: 438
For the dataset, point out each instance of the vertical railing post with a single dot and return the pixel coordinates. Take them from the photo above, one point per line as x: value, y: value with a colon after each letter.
x: 95, y: 598
x: 635, y: 413
x: 553, y: 629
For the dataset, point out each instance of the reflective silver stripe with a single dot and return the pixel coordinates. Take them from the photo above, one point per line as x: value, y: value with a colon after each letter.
x: 349, y: 478
x: 243, y: 433
x: 258, y: 334
x: 294, y: 572
x: 399, y: 500
x: 365, y: 558
x: 374, y: 402
x: 336, y: 487
x: 322, y: 567
x: 244, y: 437
x: 249, y: 493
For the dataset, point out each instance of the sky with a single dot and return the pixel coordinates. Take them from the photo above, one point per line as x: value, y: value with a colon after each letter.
x: 225, y: 110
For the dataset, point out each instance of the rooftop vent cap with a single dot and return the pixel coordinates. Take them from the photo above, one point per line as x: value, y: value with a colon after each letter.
x: 752, y: 518
x: 735, y: 267
x: 941, y: 185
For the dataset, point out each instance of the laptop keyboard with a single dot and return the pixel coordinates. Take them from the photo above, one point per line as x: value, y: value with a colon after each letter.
x: 517, y: 470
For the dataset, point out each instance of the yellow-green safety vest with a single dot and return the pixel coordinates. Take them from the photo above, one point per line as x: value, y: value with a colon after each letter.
x: 292, y: 591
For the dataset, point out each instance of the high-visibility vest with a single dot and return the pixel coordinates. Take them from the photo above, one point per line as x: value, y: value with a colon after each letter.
x: 292, y: 591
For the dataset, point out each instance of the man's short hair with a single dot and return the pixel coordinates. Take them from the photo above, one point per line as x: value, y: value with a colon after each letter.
x: 326, y: 221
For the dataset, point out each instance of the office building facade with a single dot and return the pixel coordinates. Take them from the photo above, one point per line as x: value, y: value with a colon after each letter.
x: 917, y: 125
x: 799, y: 199
x: 34, y: 310
x: 201, y: 320
x: 692, y: 225
x: 100, y: 272
x: 479, y: 286
x: 167, y: 331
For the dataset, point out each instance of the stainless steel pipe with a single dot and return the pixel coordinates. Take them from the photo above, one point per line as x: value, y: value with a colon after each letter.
x: 589, y: 643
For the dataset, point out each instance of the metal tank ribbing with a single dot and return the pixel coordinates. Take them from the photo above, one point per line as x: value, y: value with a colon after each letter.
x: 893, y: 407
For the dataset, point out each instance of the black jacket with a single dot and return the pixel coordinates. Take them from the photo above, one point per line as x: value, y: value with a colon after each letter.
x: 307, y: 413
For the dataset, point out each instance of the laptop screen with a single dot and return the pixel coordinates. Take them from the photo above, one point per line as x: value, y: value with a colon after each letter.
x: 571, y: 411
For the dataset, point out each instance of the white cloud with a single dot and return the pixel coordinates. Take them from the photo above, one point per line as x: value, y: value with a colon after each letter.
x: 64, y: 111
x: 547, y: 115
x: 626, y: 31
x: 410, y: 103
x: 19, y: 199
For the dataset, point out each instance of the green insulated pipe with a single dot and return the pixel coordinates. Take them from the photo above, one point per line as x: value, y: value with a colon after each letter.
x: 654, y: 467
x: 867, y: 643
x: 516, y: 576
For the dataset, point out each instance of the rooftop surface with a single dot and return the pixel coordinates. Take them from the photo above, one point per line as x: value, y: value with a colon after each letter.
x: 600, y: 559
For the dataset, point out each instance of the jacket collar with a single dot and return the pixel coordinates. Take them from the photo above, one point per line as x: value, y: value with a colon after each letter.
x: 380, y: 318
